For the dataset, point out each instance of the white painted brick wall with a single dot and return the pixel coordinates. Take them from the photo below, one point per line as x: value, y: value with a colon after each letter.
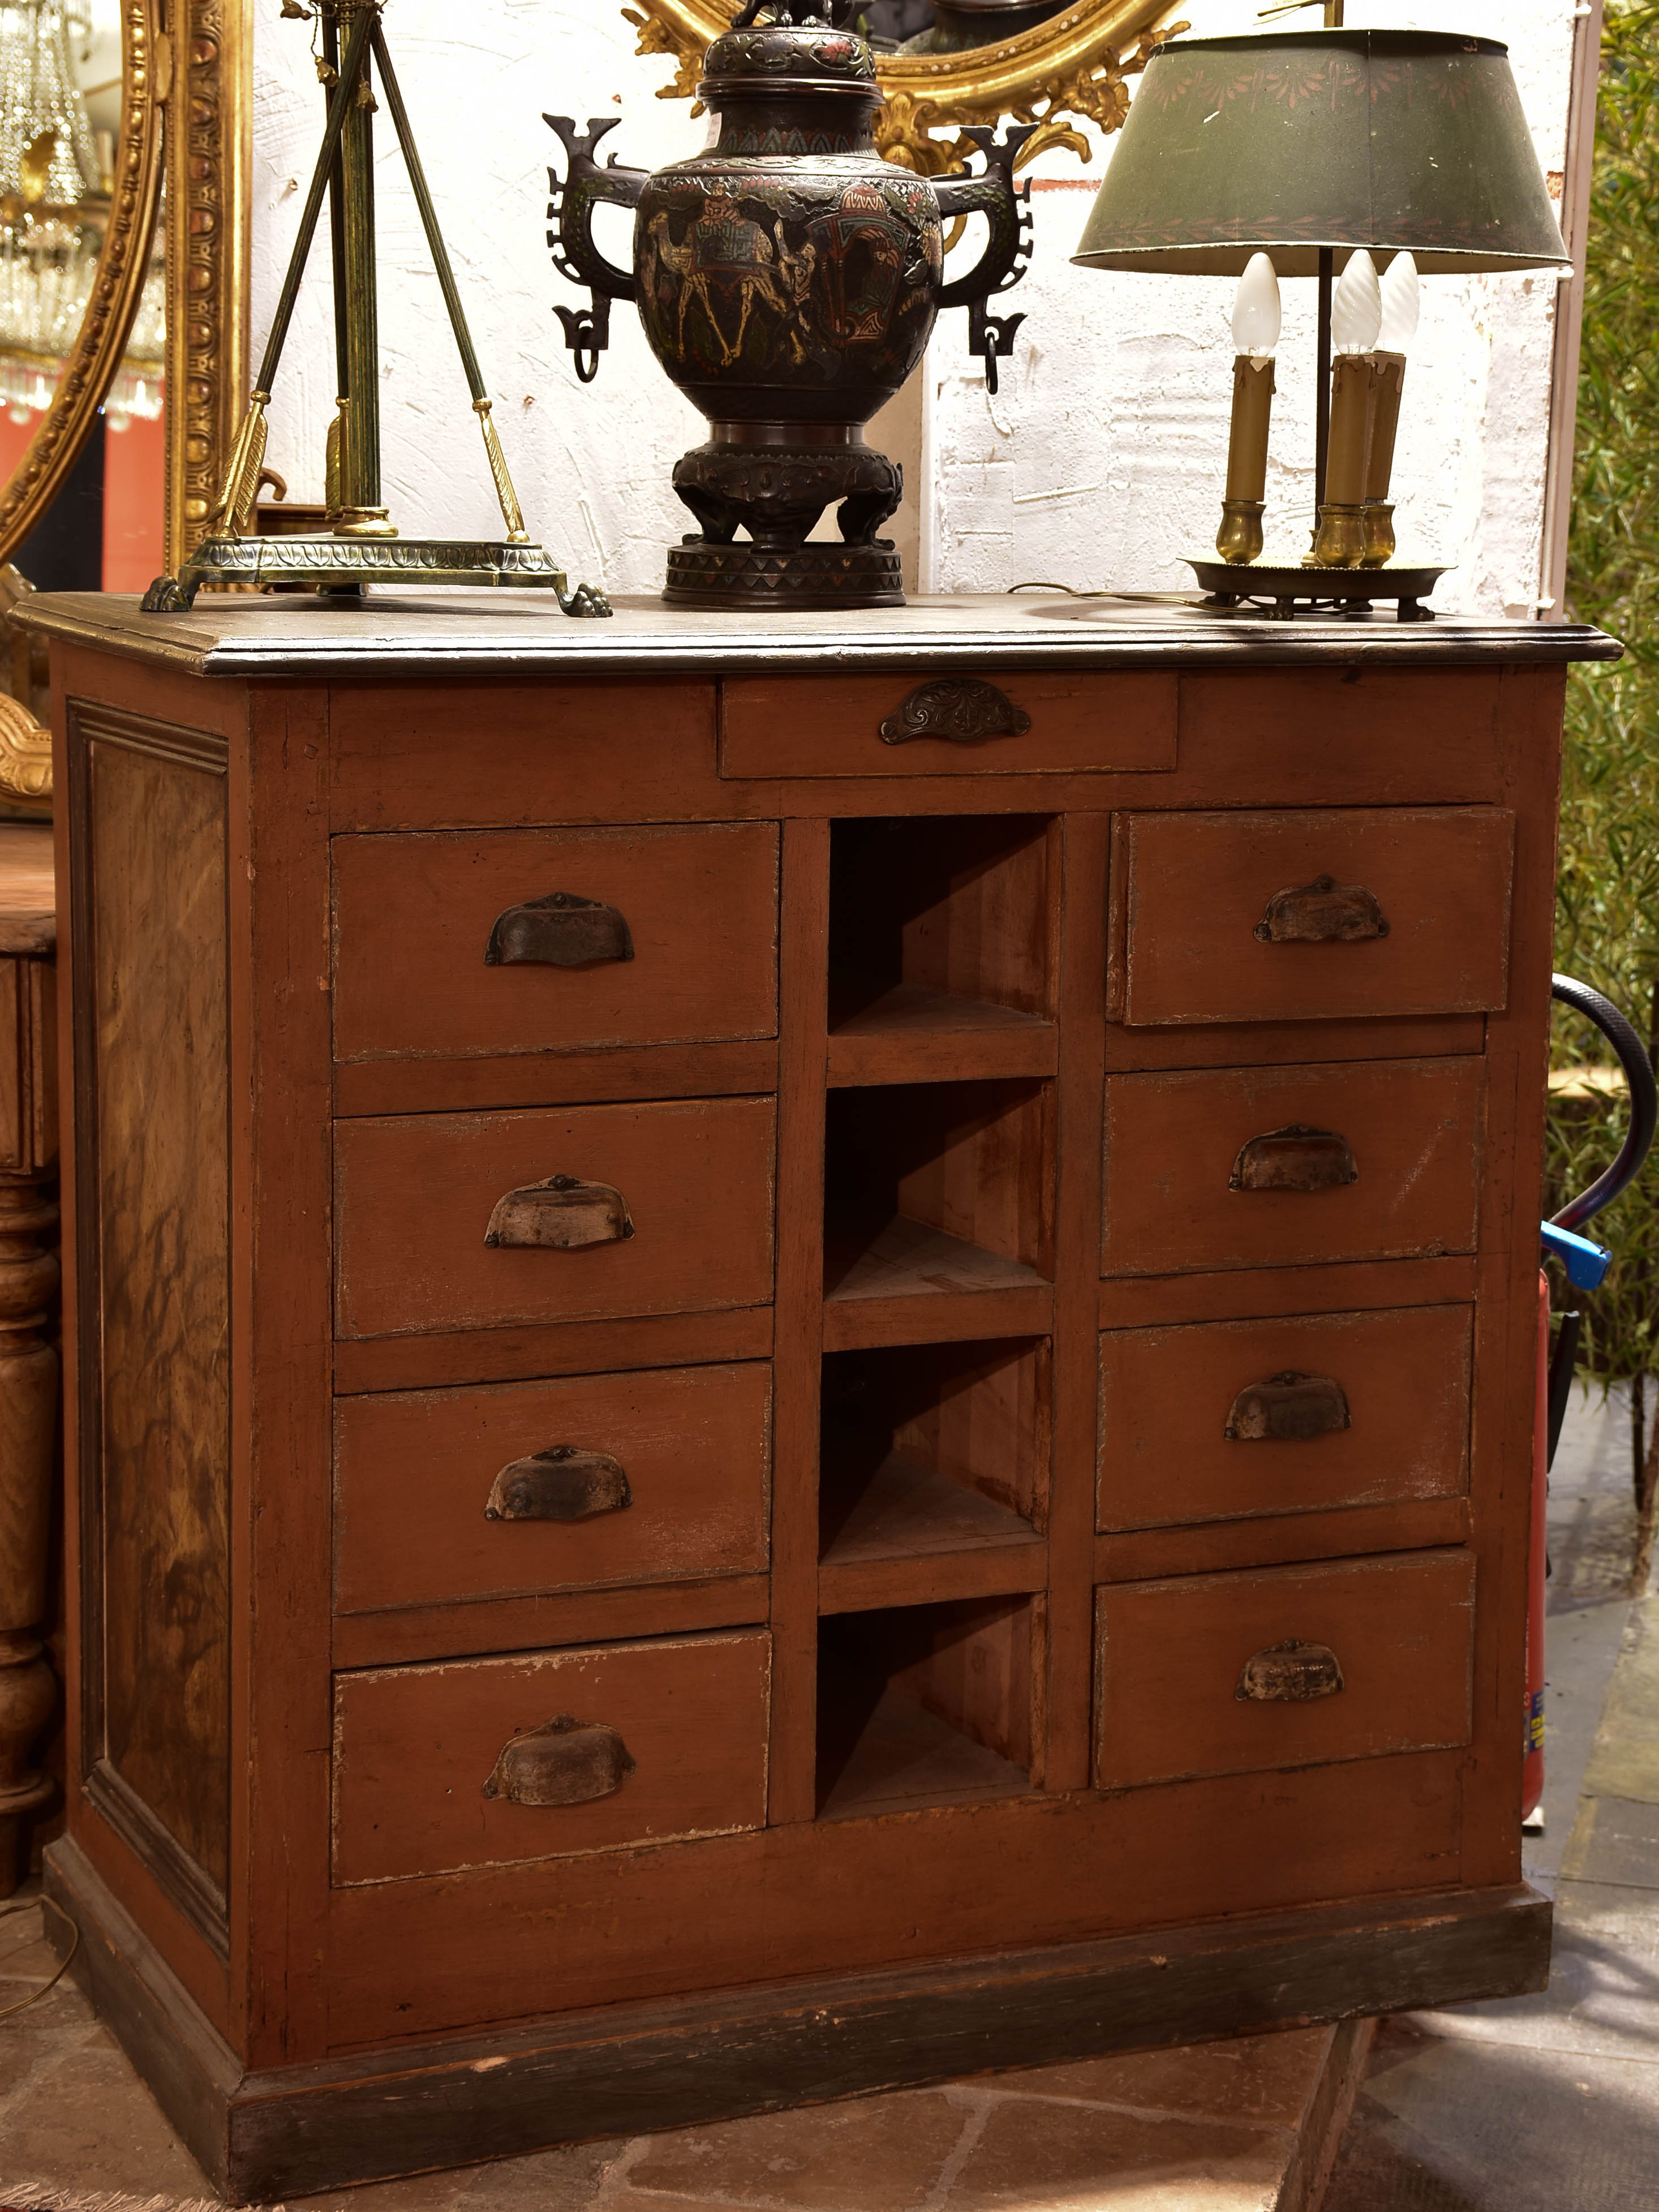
x: 1099, y: 462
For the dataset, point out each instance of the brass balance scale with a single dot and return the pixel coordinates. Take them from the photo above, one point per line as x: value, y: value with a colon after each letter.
x: 362, y: 545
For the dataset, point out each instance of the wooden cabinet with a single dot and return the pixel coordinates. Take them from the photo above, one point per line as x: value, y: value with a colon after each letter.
x: 798, y: 1361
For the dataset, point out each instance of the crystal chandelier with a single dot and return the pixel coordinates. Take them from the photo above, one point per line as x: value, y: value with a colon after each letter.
x: 54, y: 210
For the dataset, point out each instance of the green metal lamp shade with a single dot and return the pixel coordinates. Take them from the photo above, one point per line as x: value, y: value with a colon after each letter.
x: 1409, y: 141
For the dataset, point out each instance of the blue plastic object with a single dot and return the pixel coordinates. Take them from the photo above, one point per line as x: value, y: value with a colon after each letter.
x: 1586, y: 1263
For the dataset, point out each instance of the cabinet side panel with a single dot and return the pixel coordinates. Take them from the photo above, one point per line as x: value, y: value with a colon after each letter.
x: 147, y: 805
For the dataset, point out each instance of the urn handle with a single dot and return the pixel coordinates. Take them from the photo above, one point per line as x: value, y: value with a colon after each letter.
x: 1004, y: 205
x: 565, y: 1761
x: 583, y: 188
x: 559, y: 930
x: 1295, y: 1157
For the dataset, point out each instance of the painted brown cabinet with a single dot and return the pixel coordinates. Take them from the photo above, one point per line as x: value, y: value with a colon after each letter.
x: 759, y: 1405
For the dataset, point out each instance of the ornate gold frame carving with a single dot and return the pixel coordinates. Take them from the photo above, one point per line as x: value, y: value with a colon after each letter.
x: 1073, y: 66
x: 209, y: 158
x: 103, y: 335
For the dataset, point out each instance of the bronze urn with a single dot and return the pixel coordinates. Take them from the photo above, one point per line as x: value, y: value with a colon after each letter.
x: 788, y: 279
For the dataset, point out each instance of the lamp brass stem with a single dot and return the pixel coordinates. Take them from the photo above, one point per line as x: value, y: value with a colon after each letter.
x: 360, y: 456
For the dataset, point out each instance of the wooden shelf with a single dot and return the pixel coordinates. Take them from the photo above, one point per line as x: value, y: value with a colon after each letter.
x: 911, y: 1033
x: 908, y: 1284
x: 904, y: 1758
x: 910, y: 1536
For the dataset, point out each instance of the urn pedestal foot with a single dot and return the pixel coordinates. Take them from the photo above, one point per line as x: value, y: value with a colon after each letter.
x: 701, y: 575
x: 753, y: 480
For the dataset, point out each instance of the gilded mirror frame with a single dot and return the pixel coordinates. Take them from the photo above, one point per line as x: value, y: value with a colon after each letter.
x: 186, y: 109
x: 102, y: 338
x: 1071, y: 68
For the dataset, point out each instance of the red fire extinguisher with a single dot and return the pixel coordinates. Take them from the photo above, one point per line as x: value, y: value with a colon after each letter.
x: 1586, y: 1264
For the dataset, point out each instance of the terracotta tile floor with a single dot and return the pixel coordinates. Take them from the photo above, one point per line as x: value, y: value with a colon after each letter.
x: 1214, y: 2128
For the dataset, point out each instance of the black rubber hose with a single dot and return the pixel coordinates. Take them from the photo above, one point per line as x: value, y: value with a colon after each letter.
x: 1644, y: 1099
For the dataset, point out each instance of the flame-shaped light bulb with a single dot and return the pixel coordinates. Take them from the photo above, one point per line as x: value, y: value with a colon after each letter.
x: 1255, y: 310
x: 1401, y: 299
x: 1357, y: 310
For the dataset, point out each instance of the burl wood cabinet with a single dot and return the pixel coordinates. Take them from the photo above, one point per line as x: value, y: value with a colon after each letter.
x: 802, y: 1358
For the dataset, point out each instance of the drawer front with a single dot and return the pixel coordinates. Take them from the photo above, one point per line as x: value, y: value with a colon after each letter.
x: 488, y: 1762
x: 1227, y: 1420
x: 447, y: 944
x: 664, y: 1477
x: 1194, y: 1677
x: 1297, y: 916
x: 415, y: 1196
x: 1203, y: 1169
x: 1060, y: 724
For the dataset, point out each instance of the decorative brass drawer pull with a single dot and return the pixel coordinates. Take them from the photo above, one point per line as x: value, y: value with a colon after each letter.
x: 960, y: 708
x: 1323, y: 912
x: 563, y: 1483
x: 564, y: 1762
x: 1290, y: 1674
x: 559, y: 931
x: 563, y: 1214
x: 1287, y: 1408
x: 1295, y: 1157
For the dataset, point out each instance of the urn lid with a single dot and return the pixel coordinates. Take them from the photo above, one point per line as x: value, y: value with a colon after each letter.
x: 796, y: 46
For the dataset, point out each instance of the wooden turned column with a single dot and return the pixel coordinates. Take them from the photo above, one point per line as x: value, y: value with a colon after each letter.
x: 28, y: 1354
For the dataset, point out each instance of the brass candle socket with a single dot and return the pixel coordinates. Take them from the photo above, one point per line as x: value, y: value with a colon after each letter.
x: 1239, y: 538
x: 1377, y: 529
x: 1339, y: 538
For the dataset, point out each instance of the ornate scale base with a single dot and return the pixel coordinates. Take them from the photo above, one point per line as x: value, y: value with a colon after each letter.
x: 1283, y: 592
x: 342, y: 566
x: 793, y: 576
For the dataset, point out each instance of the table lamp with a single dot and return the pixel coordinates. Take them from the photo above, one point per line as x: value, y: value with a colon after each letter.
x: 1315, y: 148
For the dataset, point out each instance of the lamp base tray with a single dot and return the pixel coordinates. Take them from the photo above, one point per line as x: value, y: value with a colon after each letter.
x: 1283, y: 592
x: 341, y: 567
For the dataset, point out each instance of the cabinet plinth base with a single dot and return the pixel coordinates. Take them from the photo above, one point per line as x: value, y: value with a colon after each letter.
x: 679, y: 2061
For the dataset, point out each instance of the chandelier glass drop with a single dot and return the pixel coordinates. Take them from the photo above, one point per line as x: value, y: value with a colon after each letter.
x: 54, y: 201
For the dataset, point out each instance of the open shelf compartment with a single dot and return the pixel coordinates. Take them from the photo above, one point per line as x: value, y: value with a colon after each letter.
x: 933, y: 1473
x: 938, y: 1188
x: 941, y: 931
x: 928, y: 1705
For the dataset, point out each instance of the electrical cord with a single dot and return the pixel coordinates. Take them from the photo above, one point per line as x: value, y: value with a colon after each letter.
x: 47, y: 1905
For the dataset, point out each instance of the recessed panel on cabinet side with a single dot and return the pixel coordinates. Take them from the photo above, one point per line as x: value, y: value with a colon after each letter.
x: 148, y: 829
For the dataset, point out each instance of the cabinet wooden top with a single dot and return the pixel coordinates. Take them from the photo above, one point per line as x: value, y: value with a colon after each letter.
x: 472, y: 633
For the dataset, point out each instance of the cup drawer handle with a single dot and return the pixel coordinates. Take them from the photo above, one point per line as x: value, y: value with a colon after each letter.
x: 563, y: 1214
x: 563, y: 1483
x: 1295, y: 1157
x: 962, y: 709
x: 1287, y: 1408
x: 564, y: 1762
x: 1290, y: 1674
x: 1323, y: 912
x: 558, y: 931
